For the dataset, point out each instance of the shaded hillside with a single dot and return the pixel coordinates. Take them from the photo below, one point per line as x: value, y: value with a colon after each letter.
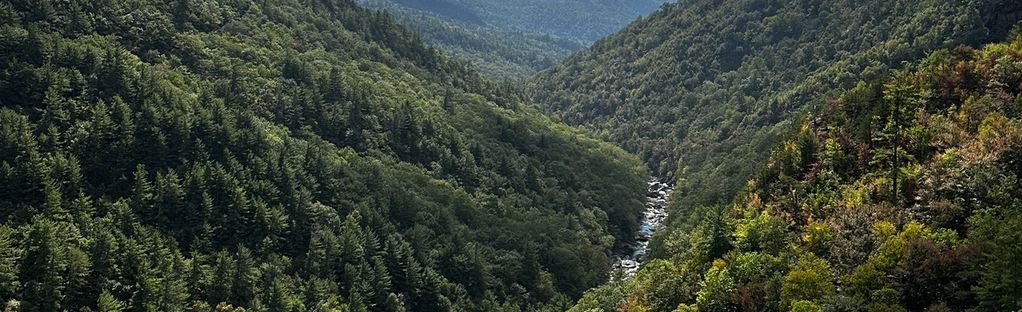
x: 900, y: 195
x: 701, y: 89
x: 501, y: 54
x: 512, y: 40
x: 443, y: 8
x: 283, y: 156
x: 585, y: 20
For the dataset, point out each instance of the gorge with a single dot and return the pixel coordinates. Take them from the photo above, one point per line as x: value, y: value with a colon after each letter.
x: 657, y: 196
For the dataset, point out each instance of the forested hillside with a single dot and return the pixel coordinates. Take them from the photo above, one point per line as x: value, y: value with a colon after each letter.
x: 508, y: 55
x: 899, y: 195
x: 283, y: 156
x: 584, y: 20
x: 701, y: 88
x: 512, y: 40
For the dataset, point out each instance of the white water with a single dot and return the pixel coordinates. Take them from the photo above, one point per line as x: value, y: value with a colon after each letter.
x: 653, y: 217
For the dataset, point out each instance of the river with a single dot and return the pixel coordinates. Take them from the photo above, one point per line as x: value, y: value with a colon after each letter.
x: 654, y: 215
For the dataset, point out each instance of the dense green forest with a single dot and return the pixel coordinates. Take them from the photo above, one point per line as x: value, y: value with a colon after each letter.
x: 702, y: 88
x: 901, y: 194
x: 315, y: 155
x: 512, y: 40
x: 502, y: 54
x: 294, y: 155
x: 584, y: 20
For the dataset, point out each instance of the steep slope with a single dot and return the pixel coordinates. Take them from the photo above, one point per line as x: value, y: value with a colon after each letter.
x: 900, y: 195
x: 502, y: 54
x: 700, y: 89
x: 283, y: 156
x: 512, y: 40
x: 583, y: 20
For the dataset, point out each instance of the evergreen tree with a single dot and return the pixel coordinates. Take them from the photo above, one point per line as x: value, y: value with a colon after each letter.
x: 9, y: 283
x: 107, y: 303
x: 44, y: 268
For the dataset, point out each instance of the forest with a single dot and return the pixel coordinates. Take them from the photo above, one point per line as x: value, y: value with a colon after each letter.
x: 512, y: 40
x: 828, y: 155
x: 502, y: 54
x: 701, y: 89
x: 902, y: 194
x: 239, y: 155
x: 484, y: 155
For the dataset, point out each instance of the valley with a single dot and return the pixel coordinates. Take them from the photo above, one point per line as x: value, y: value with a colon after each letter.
x: 510, y: 156
x: 511, y: 41
x: 657, y: 195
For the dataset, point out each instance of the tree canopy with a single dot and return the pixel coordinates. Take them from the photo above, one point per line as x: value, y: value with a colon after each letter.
x: 283, y: 156
x: 701, y: 89
x: 512, y: 40
x: 902, y: 194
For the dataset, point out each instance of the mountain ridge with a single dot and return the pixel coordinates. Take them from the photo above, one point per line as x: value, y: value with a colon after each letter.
x: 292, y: 155
x: 697, y: 88
x: 510, y: 41
x: 902, y: 194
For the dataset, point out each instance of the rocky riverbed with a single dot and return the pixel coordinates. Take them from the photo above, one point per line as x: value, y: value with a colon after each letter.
x: 654, y: 215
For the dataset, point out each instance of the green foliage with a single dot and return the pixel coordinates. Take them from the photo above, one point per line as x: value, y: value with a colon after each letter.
x: 9, y: 254
x: 818, y: 238
x: 944, y: 237
x: 700, y: 89
x: 808, y: 280
x: 758, y: 277
x: 107, y: 303
x: 708, y: 236
x: 686, y: 308
x: 999, y: 287
x: 582, y: 20
x: 717, y: 290
x: 762, y: 234
x: 503, y: 53
x: 607, y: 297
x: 512, y: 40
x: 665, y: 284
x: 805, y: 306
x: 284, y: 156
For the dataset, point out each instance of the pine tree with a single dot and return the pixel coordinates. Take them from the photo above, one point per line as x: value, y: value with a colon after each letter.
x: 142, y: 193
x: 223, y: 276
x: 105, y: 257
x: 54, y: 206
x: 9, y: 283
x: 381, y: 285
x: 323, y: 253
x: 352, y: 240
x: 394, y: 304
x: 43, y: 268
x: 183, y: 16
x: 243, y: 286
x: 96, y: 144
x: 108, y: 303
x: 168, y: 202
x: 400, y: 261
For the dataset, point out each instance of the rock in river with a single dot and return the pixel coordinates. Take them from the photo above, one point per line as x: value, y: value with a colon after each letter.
x: 656, y: 212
